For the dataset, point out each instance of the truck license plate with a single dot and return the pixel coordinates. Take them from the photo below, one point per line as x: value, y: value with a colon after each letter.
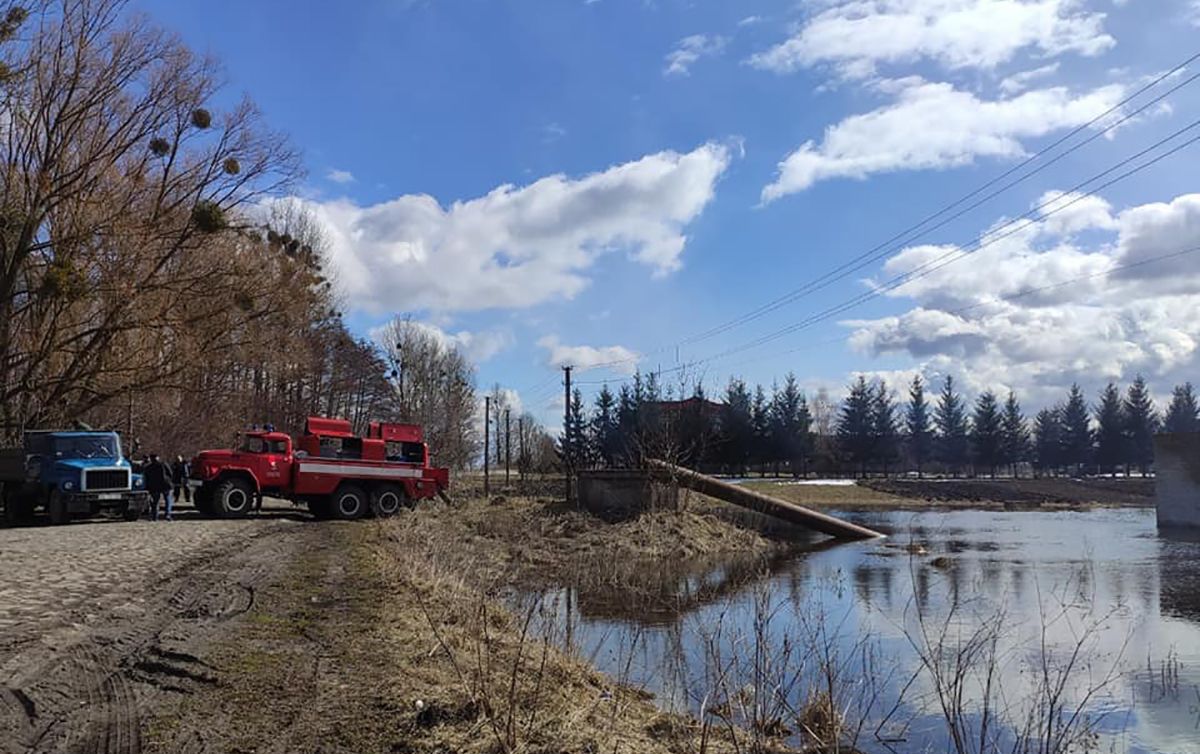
x: 109, y: 496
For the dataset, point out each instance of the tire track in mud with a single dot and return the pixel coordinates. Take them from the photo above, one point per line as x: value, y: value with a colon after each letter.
x: 83, y: 690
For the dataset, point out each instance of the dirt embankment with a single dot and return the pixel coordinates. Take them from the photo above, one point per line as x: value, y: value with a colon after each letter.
x: 1022, y: 492
x: 372, y: 644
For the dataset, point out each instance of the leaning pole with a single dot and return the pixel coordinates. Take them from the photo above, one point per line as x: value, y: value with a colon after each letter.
x: 755, y: 501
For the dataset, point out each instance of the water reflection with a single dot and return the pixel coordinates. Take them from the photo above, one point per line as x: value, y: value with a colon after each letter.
x: 1098, y: 584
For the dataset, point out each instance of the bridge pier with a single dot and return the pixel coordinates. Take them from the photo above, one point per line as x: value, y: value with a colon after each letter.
x: 1177, y: 482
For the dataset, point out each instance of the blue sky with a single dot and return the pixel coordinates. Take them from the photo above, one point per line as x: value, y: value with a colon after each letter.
x: 588, y: 182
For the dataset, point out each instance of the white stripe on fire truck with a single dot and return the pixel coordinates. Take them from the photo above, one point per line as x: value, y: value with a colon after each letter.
x: 376, y: 471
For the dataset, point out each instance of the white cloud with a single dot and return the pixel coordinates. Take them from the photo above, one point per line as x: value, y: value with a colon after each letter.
x: 477, y: 347
x: 621, y: 359
x: 340, y: 176
x: 691, y: 49
x: 1019, y: 82
x: 935, y: 126
x: 1037, y: 311
x: 855, y: 37
x: 518, y: 246
x: 750, y: 21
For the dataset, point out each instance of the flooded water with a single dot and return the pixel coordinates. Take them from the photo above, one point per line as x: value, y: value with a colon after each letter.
x: 965, y: 630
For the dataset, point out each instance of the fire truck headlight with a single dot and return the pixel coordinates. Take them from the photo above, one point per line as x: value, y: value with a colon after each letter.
x: 68, y: 485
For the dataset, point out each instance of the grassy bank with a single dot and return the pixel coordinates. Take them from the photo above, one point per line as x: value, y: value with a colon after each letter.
x: 372, y: 644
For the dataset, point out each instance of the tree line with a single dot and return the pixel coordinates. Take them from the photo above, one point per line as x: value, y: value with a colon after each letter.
x: 152, y: 279
x: 872, y: 431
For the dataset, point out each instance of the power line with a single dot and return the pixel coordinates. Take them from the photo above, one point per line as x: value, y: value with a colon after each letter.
x: 911, y: 233
x: 955, y: 255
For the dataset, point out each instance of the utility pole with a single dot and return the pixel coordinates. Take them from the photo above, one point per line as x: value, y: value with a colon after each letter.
x: 568, y: 442
x: 522, y: 460
x: 506, y: 446
x: 487, y: 415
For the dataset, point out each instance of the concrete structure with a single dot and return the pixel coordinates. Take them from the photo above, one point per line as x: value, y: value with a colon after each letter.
x: 616, y: 495
x: 1177, y: 481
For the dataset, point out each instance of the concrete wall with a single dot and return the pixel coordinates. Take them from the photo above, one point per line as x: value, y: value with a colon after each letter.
x: 619, y: 495
x: 1177, y: 481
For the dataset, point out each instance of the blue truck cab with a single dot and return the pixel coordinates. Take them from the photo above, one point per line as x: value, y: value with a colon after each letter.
x: 69, y: 473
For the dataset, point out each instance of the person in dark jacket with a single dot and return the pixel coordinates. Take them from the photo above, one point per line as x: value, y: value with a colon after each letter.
x: 180, y: 471
x: 157, y: 475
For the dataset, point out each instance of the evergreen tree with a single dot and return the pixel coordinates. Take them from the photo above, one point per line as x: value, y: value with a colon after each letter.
x: 1015, y: 434
x: 950, y: 418
x: 1183, y: 415
x: 760, y: 423
x: 1141, y: 424
x: 1110, y: 430
x: 627, y: 422
x: 916, y: 424
x: 737, y: 427
x: 573, y: 445
x: 603, y: 428
x: 1048, y: 439
x: 886, y: 445
x: 1077, y: 431
x: 791, y: 425
x: 987, y: 435
x: 856, y: 426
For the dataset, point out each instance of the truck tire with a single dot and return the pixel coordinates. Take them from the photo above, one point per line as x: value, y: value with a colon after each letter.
x: 232, y: 498
x: 56, y: 508
x: 387, y: 499
x: 202, y: 498
x: 18, y: 510
x: 319, y: 507
x: 349, y: 502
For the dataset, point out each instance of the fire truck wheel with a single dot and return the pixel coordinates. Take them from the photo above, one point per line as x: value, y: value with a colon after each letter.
x: 386, y: 500
x: 349, y: 502
x: 233, y: 498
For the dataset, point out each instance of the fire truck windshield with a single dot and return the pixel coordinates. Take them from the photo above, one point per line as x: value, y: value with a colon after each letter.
x: 258, y: 444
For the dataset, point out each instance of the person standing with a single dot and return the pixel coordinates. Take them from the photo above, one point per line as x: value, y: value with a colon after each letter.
x: 180, y: 471
x: 157, y: 475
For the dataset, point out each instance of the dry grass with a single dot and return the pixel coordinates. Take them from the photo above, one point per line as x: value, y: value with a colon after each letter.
x: 538, y: 542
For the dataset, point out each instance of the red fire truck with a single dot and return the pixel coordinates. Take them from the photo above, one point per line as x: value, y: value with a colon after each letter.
x: 336, y: 473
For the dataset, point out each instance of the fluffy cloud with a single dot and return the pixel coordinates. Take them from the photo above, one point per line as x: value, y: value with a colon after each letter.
x: 934, y: 126
x: 340, y: 176
x: 689, y: 50
x: 622, y: 359
x: 1019, y: 82
x: 855, y: 37
x: 478, y: 347
x: 1037, y: 312
x: 518, y: 246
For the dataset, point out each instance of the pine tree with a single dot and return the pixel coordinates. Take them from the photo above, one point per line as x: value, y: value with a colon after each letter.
x: 627, y: 422
x: 1077, y: 431
x: 1048, y: 439
x: 603, y: 428
x: 791, y: 427
x: 1015, y: 434
x: 1141, y: 424
x: 951, y: 421
x: 856, y: 425
x: 737, y: 429
x: 886, y: 443
x: 916, y: 424
x: 987, y: 437
x: 695, y: 430
x: 760, y: 422
x: 581, y: 452
x: 1183, y: 415
x: 1110, y: 430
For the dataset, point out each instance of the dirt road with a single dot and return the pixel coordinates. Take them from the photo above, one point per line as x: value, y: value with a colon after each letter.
x: 103, y: 626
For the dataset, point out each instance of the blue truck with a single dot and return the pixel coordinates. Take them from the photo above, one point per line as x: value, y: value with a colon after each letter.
x: 69, y: 474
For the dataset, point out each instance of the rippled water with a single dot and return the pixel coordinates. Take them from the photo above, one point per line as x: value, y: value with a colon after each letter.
x: 1095, y: 598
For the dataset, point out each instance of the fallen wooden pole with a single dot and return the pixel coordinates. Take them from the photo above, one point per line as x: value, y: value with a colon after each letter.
x: 755, y: 501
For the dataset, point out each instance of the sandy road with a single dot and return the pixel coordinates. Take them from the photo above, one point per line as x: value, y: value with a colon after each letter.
x: 100, y: 621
